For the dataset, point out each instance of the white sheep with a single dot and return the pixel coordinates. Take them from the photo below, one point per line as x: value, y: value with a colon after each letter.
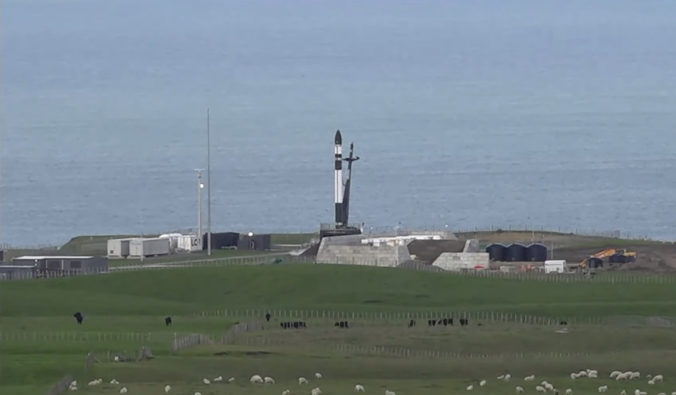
x: 302, y: 380
x: 529, y: 378
x: 206, y: 381
x: 661, y: 393
x: 387, y: 392
x: 93, y: 382
x: 540, y: 388
x: 318, y: 376
x: 197, y: 393
x: 623, y: 392
x: 582, y: 373
x: 500, y: 377
x: 614, y: 374
x: 167, y: 388
x: 218, y: 379
x: 286, y: 392
x: 231, y: 380
x: 113, y: 381
x: 124, y: 390
x: 603, y: 388
x: 519, y: 389
x: 269, y: 380
x: 256, y: 379
x: 651, y: 382
x: 634, y: 375
x: 639, y: 392
x: 317, y: 391
x: 573, y: 376
x: 482, y: 383
x: 658, y: 378
x: 508, y: 377
x: 470, y: 387
x: 359, y: 388
x: 569, y: 391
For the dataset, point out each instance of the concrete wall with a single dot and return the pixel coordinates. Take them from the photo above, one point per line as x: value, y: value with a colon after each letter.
x: 387, y: 256
x: 456, y: 261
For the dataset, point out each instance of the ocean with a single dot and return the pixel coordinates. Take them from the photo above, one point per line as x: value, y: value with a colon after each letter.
x: 466, y: 115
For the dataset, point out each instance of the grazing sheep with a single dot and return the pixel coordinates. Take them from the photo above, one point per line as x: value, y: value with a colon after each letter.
x: 548, y: 386
x: 218, y: 379
x: 482, y: 383
x: 93, y: 382
x: 206, y: 381
x: 651, y: 382
x: 540, y: 388
x: 317, y: 391
x: 231, y: 380
x: 634, y: 375
x: 269, y: 380
x: 623, y: 392
x: 500, y: 377
x: 359, y: 388
x: 318, y: 376
x: 614, y: 374
x: 470, y: 387
x: 639, y: 392
x: 256, y: 379
x: 603, y: 388
x: 302, y: 380
x: 167, y: 388
x: 519, y: 389
x: 529, y: 378
x: 582, y: 373
x: 661, y: 393
x: 658, y: 378
x: 197, y: 393
x: 389, y: 392
x: 569, y: 391
x: 286, y: 392
x: 113, y: 381
x: 123, y: 390
x: 508, y: 377
x: 573, y: 376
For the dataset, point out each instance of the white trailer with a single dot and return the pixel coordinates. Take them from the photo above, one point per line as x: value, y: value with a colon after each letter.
x: 140, y: 248
x: 190, y: 243
x: 118, y: 248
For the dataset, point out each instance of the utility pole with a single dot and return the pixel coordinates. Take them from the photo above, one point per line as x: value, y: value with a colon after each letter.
x: 208, y: 186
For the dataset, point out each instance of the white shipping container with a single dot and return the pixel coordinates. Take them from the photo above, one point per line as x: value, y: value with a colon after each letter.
x: 190, y: 243
x: 148, y: 247
x: 118, y: 248
x: 555, y: 266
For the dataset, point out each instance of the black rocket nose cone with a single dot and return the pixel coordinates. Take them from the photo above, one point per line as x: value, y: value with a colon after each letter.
x: 339, y: 138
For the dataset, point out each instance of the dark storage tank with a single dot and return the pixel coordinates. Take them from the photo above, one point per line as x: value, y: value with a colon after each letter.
x: 536, y: 253
x: 515, y: 253
x: 496, y: 252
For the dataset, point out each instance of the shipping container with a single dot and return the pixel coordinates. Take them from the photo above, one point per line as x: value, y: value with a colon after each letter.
x: 118, y: 248
x: 190, y: 243
x: 148, y: 247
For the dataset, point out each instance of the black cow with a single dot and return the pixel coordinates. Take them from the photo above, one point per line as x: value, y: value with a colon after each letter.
x: 267, y: 317
x: 167, y: 321
x: 563, y: 323
x: 411, y: 323
x: 464, y: 322
x: 342, y: 324
x: 78, y: 316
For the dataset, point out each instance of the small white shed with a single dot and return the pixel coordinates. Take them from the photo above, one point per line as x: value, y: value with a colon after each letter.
x: 555, y: 266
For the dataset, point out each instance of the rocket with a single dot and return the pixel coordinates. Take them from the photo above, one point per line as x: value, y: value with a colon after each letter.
x: 338, y: 177
x: 342, y: 189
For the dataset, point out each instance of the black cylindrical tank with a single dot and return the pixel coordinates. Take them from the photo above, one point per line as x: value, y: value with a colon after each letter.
x: 496, y: 252
x: 536, y: 253
x: 515, y: 253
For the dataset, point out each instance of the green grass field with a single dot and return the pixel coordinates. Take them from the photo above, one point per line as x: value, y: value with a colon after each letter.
x: 621, y: 325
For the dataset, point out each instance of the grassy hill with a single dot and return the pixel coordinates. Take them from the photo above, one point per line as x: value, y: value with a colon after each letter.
x: 41, y: 341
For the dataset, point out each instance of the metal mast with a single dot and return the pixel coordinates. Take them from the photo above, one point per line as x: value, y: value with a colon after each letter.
x: 208, y: 186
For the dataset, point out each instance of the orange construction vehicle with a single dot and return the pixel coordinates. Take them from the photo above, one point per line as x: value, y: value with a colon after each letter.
x: 614, y: 256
